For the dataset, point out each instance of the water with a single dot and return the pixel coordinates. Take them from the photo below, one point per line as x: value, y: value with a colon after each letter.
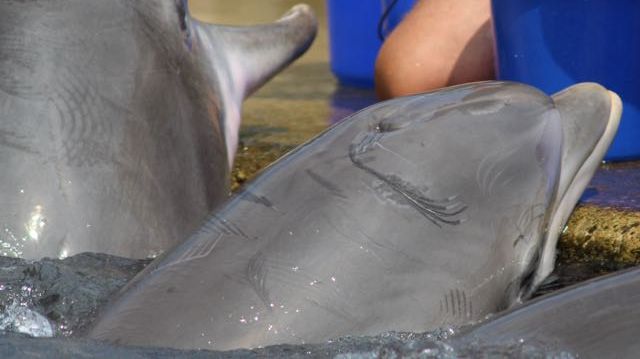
x: 17, y: 318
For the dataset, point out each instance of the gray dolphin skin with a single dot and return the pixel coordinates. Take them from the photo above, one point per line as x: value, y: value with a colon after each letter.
x: 596, y: 319
x: 119, y: 119
x: 590, y: 117
x: 413, y: 214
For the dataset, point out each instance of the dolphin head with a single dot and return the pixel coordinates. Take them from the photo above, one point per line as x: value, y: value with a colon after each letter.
x: 588, y: 117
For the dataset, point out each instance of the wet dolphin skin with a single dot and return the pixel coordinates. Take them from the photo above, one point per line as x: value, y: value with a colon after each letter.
x: 412, y: 214
x: 119, y: 120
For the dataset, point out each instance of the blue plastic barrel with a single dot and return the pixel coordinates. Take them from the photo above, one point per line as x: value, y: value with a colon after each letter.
x: 353, y: 36
x: 552, y: 44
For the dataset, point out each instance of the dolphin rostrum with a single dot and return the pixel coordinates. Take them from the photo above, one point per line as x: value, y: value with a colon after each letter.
x: 412, y: 214
x: 119, y: 119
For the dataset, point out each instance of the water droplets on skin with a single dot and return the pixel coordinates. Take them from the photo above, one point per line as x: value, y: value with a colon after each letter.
x: 35, y: 226
x: 12, y: 244
x: 154, y: 254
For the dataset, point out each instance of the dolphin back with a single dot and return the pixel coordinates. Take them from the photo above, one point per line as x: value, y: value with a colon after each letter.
x: 596, y: 319
x: 414, y: 213
x: 117, y: 129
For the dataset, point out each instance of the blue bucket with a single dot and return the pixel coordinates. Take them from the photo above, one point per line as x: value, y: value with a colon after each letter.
x: 353, y: 36
x: 552, y: 44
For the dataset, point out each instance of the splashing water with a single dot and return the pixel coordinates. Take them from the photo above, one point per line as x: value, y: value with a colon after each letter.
x: 20, y: 319
x: 17, y: 314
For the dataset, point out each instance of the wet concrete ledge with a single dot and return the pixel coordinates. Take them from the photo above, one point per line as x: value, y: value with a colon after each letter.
x: 604, y: 229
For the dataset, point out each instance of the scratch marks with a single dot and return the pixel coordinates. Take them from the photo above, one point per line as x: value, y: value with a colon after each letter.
x: 327, y: 184
x: 19, y: 59
x: 334, y: 310
x: 525, y: 223
x: 455, y: 304
x: 85, y: 134
x: 12, y: 140
x: 217, y: 224
x: 207, y: 238
x: 491, y: 173
x: 257, y: 199
x: 200, y: 249
x: 448, y: 210
x: 256, y: 274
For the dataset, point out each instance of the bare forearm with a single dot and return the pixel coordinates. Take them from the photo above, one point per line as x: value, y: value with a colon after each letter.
x: 439, y: 43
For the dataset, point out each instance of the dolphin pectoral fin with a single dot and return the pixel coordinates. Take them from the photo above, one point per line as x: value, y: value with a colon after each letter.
x: 243, y: 58
x: 590, y: 115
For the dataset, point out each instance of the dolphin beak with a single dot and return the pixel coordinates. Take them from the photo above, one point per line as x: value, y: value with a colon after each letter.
x: 589, y: 115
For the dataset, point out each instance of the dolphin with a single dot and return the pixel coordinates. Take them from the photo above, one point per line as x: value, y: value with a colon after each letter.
x: 412, y: 214
x: 596, y: 319
x: 119, y: 119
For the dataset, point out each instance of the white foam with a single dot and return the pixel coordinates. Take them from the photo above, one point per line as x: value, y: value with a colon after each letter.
x: 20, y: 319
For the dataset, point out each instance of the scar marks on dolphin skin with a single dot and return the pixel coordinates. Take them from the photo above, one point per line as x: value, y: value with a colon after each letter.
x: 491, y: 172
x: 256, y: 274
x: 526, y: 221
x: 12, y: 140
x: 217, y: 224
x: 335, y: 190
x: 85, y: 134
x: 455, y: 304
x: 437, y: 211
x: 200, y: 249
x: 334, y: 310
x: 205, y: 240
x: 254, y: 198
x: 19, y: 59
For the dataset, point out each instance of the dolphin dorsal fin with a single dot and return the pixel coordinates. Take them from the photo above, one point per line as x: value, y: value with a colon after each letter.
x: 245, y: 57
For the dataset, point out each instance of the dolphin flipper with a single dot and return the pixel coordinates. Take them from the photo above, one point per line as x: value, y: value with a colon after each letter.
x: 590, y: 116
x: 246, y: 57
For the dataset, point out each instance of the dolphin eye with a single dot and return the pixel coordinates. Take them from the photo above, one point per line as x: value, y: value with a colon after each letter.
x: 182, y: 14
x: 394, y: 123
x: 181, y: 8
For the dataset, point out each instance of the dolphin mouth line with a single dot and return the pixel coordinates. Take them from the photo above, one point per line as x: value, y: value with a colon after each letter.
x: 574, y: 190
